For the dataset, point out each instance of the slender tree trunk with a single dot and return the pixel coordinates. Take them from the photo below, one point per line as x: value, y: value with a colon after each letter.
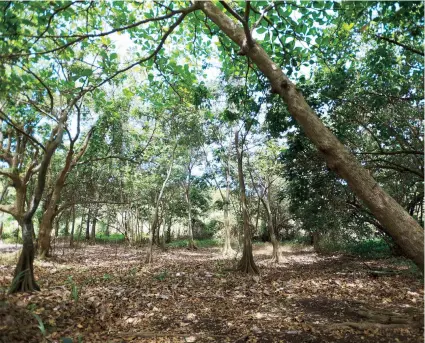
x: 168, y: 238
x: 1, y: 231
x: 71, y: 238
x: 246, y: 264
x: 88, y: 225
x: 93, y: 229
x: 57, y: 222
x: 24, y: 280
x: 66, y: 230
x: 191, y: 244
x: 405, y: 231
x: 156, y: 232
x: 271, y: 228
x: 163, y: 246
x: 107, y: 226
x: 227, y: 248
x: 149, y: 257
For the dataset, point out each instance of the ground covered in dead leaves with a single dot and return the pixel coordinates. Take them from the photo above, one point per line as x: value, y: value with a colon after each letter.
x: 107, y: 294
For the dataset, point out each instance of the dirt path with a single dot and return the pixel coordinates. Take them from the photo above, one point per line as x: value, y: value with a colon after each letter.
x: 195, y: 297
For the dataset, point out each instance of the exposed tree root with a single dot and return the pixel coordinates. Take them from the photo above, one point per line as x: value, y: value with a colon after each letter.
x: 276, y: 257
x: 24, y: 280
x: 246, y: 264
x: 191, y: 245
x: 149, y: 258
x: 228, y: 252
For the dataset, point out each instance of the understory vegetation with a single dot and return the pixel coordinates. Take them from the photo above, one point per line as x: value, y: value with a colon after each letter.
x: 257, y: 167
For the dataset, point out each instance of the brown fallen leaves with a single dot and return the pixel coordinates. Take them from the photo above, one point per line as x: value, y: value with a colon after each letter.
x: 193, y: 296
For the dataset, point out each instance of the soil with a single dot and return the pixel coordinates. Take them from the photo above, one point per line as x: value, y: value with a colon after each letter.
x: 106, y: 293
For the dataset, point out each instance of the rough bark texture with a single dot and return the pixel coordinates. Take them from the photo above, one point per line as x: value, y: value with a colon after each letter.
x: 24, y: 280
x: 246, y: 264
x: 405, y: 231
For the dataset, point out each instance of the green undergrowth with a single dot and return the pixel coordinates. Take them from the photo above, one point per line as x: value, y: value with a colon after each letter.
x: 371, y: 248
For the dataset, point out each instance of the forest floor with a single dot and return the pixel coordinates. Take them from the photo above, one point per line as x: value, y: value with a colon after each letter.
x: 105, y: 293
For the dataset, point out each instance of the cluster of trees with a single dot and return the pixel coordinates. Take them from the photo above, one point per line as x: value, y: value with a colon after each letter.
x: 315, y: 117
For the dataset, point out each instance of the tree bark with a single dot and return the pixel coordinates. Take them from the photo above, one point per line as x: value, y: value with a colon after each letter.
x: 246, y: 264
x: 227, y: 248
x: 66, y: 230
x: 51, y: 206
x: 24, y: 280
x: 191, y: 244
x: 149, y: 256
x: 71, y: 238
x: 154, y: 225
x: 93, y: 229
x: 271, y: 227
x: 405, y: 231
x: 57, y: 226
x: 88, y: 226
x: 46, y: 225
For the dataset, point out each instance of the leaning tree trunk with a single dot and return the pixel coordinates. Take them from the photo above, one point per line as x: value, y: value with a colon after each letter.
x: 24, y: 280
x: 246, y: 264
x: 405, y: 231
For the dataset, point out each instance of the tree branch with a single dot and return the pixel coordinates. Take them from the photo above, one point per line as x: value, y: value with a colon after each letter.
x: 392, y: 41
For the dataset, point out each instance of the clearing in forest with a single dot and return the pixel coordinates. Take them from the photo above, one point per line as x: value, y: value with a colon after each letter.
x: 106, y: 293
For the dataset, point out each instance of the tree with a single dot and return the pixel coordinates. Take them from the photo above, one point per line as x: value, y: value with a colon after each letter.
x: 268, y: 170
x: 399, y: 224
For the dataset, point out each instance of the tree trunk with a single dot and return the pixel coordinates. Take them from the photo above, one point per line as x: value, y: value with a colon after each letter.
x: 57, y: 222
x: 168, y: 236
x: 66, y: 230
x: 149, y: 256
x: 1, y: 231
x: 405, y: 231
x: 227, y: 248
x: 191, y: 244
x: 71, y: 238
x: 163, y: 246
x: 316, y: 240
x: 24, y: 280
x: 46, y: 227
x: 88, y: 226
x: 246, y: 264
x: 93, y: 230
x: 271, y: 226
